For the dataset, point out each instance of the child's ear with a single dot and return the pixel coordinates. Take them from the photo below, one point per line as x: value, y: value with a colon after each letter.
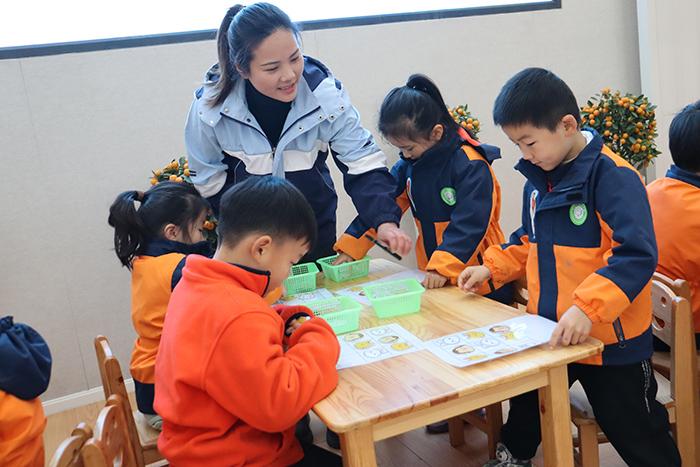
x: 171, y: 232
x: 260, y: 247
x: 570, y: 124
x: 437, y: 132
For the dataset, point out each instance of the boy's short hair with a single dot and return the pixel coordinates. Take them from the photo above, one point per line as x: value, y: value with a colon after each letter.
x: 684, y: 138
x: 537, y: 97
x: 268, y: 205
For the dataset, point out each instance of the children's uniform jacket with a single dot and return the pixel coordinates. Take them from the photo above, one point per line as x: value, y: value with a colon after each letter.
x: 25, y: 369
x: 228, y: 392
x: 455, y: 200
x: 154, y: 275
x: 675, y: 206
x: 226, y: 145
x: 586, y: 239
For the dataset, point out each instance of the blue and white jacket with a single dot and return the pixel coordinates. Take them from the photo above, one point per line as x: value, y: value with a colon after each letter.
x: 225, y: 145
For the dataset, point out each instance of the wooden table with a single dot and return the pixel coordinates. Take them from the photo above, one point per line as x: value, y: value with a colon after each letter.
x: 393, y: 396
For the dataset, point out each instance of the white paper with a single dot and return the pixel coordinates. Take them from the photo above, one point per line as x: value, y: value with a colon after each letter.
x: 302, y: 298
x: 466, y: 348
x: 374, y: 344
x: 408, y: 274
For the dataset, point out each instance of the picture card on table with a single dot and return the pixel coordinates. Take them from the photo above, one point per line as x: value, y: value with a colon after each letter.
x: 465, y: 348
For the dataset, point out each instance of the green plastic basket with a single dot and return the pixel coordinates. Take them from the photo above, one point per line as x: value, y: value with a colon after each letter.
x: 346, y: 271
x: 302, y: 278
x: 342, y: 313
x: 395, y: 298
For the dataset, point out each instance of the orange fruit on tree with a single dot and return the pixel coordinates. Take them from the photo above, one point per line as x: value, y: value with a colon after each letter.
x: 172, y: 178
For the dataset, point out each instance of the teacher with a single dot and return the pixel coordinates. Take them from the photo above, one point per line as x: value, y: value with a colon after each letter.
x: 265, y: 108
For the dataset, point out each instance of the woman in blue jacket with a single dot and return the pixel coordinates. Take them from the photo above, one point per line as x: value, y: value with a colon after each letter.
x: 265, y: 108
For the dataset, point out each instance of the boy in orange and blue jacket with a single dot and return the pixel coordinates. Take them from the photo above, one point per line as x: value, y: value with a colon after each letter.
x: 234, y: 375
x: 25, y: 369
x: 675, y: 207
x: 587, y: 247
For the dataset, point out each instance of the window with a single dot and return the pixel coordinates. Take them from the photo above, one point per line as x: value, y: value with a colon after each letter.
x: 44, y: 27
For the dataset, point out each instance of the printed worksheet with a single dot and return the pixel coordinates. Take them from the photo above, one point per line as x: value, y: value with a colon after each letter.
x: 466, y: 348
x: 302, y: 298
x: 374, y: 344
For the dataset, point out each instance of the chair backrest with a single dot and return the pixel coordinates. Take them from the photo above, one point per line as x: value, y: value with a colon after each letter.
x: 679, y: 287
x: 520, y: 296
x: 672, y: 322
x: 113, y: 384
x: 110, y: 446
x: 68, y: 452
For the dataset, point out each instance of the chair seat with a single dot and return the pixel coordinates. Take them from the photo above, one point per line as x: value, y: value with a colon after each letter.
x: 579, y: 401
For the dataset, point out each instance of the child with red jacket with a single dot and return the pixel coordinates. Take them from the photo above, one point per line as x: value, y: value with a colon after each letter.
x: 234, y: 375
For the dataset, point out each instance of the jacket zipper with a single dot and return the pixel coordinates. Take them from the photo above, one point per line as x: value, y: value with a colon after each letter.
x: 274, y: 148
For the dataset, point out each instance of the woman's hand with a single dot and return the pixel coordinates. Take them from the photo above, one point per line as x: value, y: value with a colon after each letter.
x: 394, y: 238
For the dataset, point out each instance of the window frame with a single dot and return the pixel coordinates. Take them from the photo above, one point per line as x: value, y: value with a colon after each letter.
x: 39, y: 50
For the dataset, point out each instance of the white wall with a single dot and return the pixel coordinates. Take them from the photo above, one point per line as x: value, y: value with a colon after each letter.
x: 669, y: 38
x: 77, y: 129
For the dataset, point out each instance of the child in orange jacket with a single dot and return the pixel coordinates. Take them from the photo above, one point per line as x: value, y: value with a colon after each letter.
x: 25, y: 369
x: 675, y: 207
x: 587, y: 247
x: 234, y: 375
x: 152, y: 242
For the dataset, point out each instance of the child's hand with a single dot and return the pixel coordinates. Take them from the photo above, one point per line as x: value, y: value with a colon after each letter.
x: 573, y: 327
x: 472, y: 277
x: 433, y: 280
x: 394, y: 238
x: 342, y: 258
x: 294, y: 324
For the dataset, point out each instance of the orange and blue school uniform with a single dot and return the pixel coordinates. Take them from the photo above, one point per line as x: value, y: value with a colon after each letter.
x: 227, y: 389
x: 155, y: 273
x: 586, y: 239
x: 25, y: 370
x: 455, y: 200
x: 675, y: 207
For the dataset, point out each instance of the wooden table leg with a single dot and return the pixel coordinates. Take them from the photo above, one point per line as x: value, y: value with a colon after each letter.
x: 358, y: 448
x: 456, y: 425
x: 555, y: 415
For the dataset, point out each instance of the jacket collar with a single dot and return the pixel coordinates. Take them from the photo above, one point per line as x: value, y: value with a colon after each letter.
x: 200, y: 267
x: 568, y: 180
x: 450, y: 143
x: 162, y: 246
x: 683, y: 175
x: 437, y: 154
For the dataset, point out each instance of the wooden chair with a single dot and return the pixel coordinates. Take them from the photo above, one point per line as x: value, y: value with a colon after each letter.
x: 143, y: 437
x: 68, y: 452
x: 111, y: 445
x: 489, y: 419
x: 661, y: 361
x: 672, y: 323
